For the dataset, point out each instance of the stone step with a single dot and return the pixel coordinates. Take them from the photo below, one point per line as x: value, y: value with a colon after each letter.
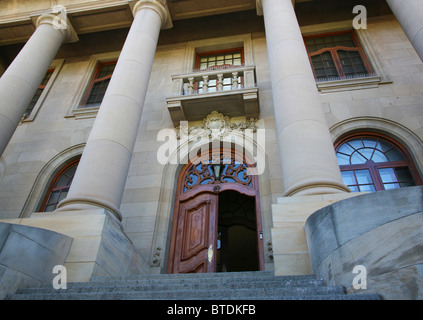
x: 113, y: 293
x: 202, y: 276
x: 213, y: 286
x: 136, y: 286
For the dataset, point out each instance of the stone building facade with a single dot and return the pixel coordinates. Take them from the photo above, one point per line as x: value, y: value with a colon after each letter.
x: 303, y: 106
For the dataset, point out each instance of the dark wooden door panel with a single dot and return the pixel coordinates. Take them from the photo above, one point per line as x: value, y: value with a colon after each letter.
x: 195, y: 236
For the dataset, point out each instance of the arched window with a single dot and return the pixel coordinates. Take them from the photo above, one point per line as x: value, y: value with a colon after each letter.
x: 371, y: 163
x: 59, y: 187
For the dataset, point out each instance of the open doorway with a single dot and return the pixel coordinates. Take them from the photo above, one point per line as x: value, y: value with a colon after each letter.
x: 237, y: 246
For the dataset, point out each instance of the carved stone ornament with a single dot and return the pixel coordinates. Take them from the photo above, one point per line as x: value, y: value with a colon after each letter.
x: 217, y: 126
x: 156, y: 259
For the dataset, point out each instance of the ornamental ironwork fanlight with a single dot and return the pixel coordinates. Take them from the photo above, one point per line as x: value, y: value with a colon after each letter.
x: 209, y: 172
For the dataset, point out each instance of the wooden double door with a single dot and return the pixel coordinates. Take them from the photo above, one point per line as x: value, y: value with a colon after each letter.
x: 197, y: 241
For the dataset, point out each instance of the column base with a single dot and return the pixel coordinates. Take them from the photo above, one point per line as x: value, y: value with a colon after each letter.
x: 99, y: 247
x: 87, y: 203
x: 316, y: 188
x: 289, y: 215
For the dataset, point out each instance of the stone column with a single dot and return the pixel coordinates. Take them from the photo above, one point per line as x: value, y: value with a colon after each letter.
x: 21, y: 80
x: 309, y: 164
x: 409, y: 13
x: 102, y: 172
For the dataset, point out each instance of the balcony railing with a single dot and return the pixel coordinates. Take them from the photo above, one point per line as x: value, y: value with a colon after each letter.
x: 230, y: 90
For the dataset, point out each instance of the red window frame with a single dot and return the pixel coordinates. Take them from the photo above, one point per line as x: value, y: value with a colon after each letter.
x: 95, y: 79
x: 374, y: 167
x: 39, y: 92
x: 53, y: 188
x: 334, y: 52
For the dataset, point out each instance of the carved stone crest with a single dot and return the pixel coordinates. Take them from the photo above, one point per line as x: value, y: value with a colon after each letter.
x: 216, y: 126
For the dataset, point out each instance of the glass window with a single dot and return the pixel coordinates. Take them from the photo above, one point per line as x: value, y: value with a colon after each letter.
x: 371, y: 163
x: 38, y: 93
x: 338, y: 56
x: 59, y: 187
x: 220, y: 59
x: 98, y: 85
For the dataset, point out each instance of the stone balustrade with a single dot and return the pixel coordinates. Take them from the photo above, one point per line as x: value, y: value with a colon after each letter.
x: 225, y: 78
x: 228, y: 89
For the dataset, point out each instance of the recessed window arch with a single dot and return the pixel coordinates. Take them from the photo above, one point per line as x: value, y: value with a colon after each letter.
x: 59, y: 187
x: 371, y: 162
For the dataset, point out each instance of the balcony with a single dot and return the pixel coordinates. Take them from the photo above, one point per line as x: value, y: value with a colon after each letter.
x: 226, y: 89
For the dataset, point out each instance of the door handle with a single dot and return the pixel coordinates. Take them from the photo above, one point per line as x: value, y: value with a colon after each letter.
x: 210, y: 253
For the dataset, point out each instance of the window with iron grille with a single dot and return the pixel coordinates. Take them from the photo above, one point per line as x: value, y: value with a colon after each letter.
x: 337, y: 56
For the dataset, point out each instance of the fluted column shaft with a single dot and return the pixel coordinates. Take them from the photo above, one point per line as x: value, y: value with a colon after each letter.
x: 308, y: 160
x: 102, y: 172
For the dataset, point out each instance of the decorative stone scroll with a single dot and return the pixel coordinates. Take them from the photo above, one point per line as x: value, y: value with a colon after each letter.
x: 217, y: 126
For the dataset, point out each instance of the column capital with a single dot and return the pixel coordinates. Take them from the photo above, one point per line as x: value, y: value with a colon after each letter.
x: 58, y: 19
x: 160, y: 6
x: 259, y: 6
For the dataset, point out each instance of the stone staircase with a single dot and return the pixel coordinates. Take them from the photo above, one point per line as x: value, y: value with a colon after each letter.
x: 213, y: 286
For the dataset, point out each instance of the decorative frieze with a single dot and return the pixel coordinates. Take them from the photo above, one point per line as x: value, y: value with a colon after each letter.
x: 218, y: 126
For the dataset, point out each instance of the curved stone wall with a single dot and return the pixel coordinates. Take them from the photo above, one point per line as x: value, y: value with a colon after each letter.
x: 382, y: 232
x: 28, y: 255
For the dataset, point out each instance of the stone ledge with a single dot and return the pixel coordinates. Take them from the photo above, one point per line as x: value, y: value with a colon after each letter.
x: 28, y: 255
x: 382, y: 231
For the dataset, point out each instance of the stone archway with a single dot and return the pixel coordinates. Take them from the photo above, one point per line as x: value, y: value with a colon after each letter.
x: 194, y: 240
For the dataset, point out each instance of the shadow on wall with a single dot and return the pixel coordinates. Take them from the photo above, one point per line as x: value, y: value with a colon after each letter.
x: 382, y: 231
x: 28, y: 255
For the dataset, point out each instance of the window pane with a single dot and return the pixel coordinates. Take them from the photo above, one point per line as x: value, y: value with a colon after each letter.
x: 63, y: 181
x: 324, y: 66
x: 384, y: 146
x: 369, y: 142
x: 394, y: 155
x: 366, y: 153
x: 348, y: 178
x: 367, y: 188
x: 354, y: 188
x: 356, y: 144
x: 345, y: 148
x: 387, y: 175
x: 379, y: 157
x: 403, y: 174
x: 390, y: 186
x: 53, y: 197
x: 363, y: 177
x: 357, y: 158
x: 343, y: 159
